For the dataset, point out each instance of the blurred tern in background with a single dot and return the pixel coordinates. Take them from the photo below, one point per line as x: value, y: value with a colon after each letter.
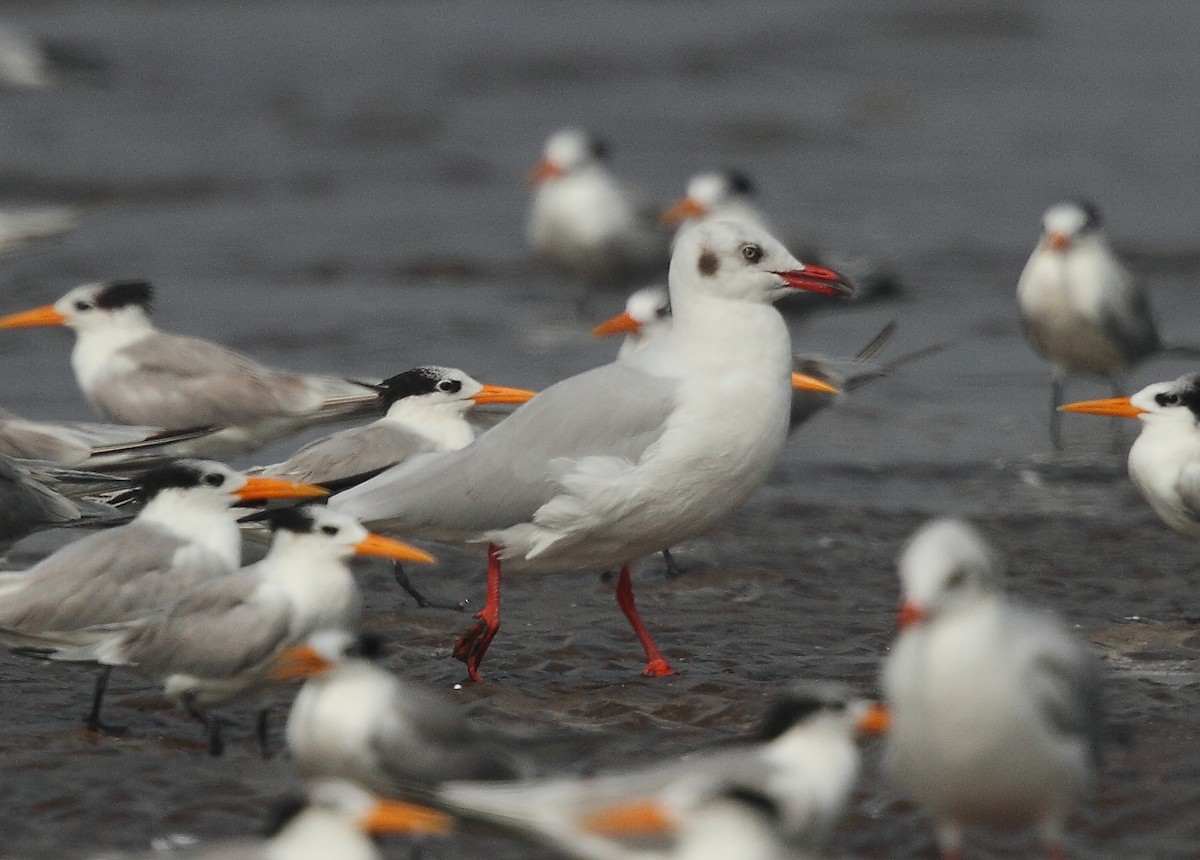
x: 995, y: 707
x: 718, y: 196
x: 1164, y: 461
x: 608, y: 467
x: 583, y: 221
x: 23, y: 226
x: 803, y: 764
x: 27, y: 505
x: 1081, y: 309
x: 134, y: 374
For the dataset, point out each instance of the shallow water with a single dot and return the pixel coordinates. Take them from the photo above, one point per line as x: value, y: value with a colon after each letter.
x: 338, y: 188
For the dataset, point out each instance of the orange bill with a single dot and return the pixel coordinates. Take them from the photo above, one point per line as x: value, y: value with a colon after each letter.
x: 909, y: 615
x: 631, y: 818
x: 301, y: 661
x: 258, y: 488
x: 681, y: 211
x: 876, y: 721
x: 45, y: 315
x: 1118, y: 407
x: 502, y: 394
x: 383, y: 547
x: 543, y: 170
x: 1058, y: 241
x: 804, y: 382
x: 396, y: 817
x: 622, y: 323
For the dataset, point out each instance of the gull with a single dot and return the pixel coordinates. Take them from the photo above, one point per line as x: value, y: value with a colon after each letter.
x: 995, y: 706
x: 1081, y: 309
x: 184, y: 536
x: 355, y: 720
x: 803, y: 763
x: 717, y: 196
x: 583, y: 221
x: 132, y: 373
x: 1164, y: 461
x: 607, y: 467
x: 216, y: 643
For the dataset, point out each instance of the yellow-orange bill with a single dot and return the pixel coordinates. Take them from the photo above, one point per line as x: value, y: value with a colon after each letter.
x: 909, y: 615
x: 258, y: 489
x: 631, y: 818
x: 804, y: 382
x: 395, y: 817
x: 502, y: 394
x: 876, y: 721
x: 681, y: 211
x: 543, y: 170
x: 622, y: 323
x: 45, y: 315
x: 383, y: 547
x: 301, y: 661
x: 1118, y: 407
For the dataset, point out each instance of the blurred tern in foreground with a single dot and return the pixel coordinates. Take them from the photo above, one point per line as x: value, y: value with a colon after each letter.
x: 185, y: 535
x: 1080, y: 307
x: 216, y: 643
x: 134, y: 374
x: 608, y: 467
x: 1164, y: 461
x: 803, y: 763
x: 717, y: 196
x: 995, y: 706
x: 355, y: 720
x: 583, y: 221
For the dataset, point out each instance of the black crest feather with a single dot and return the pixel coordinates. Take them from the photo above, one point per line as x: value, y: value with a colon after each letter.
x: 177, y: 475
x: 410, y: 383
x: 739, y: 182
x: 120, y: 294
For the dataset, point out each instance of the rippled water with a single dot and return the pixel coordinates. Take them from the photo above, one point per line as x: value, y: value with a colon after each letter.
x: 338, y: 187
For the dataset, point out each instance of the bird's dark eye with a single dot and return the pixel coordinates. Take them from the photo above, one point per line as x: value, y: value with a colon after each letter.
x: 83, y: 306
x: 214, y: 480
x: 329, y: 530
x: 752, y: 253
x: 449, y: 385
x: 956, y: 580
x: 1167, y: 398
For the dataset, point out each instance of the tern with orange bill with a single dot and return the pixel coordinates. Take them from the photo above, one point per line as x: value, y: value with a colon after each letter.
x: 607, y: 467
x: 1164, y: 461
x: 803, y: 763
x: 996, y: 713
x: 217, y: 642
x: 132, y: 373
x: 717, y: 196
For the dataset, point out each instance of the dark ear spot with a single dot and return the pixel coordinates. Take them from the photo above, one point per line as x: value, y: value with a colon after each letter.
x: 708, y: 263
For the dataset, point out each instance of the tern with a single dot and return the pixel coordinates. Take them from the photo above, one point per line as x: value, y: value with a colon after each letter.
x: 583, y: 221
x: 1164, y: 461
x: 717, y: 196
x: 995, y: 706
x: 803, y: 762
x: 607, y: 467
x: 132, y: 373
x: 1080, y: 307
x: 29, y: 504
x: 355, y: 720
x: 185, y: 535
x: 215, y: 643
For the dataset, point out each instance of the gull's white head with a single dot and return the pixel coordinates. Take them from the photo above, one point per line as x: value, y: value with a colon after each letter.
x: 734, y: 260
x: 445, y: 387
x: 102, y: 305
x: 1175, y: 403
x: 568, y: 151
x: 946, y: 566
x: 1063, y: 224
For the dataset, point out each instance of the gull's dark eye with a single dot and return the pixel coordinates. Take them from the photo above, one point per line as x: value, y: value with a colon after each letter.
x: 83, y: 306
x: 214, y: 480
x: 752, y: 253
x: 329, y: 530
x: 450, y: 386
x: 1167, y: 398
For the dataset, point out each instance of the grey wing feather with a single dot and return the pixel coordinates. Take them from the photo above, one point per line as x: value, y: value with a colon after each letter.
x: 511, y: 470
x: 356, y: 451
x: 1188, y: 488
x: 1128, y: 320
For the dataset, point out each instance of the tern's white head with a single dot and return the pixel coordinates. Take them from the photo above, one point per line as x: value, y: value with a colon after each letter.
x: 708, y: 194
x: 821, y: 707
x: 734, y: 260
x: 92, y: 307
x: 945, y: 567
x: 568, y: 151
x: 212, y: 485
x: 1064, y: 224
x: 445, y: 389
x: 323, y: 652
x: 1163, y: 404
x: 316, y: 534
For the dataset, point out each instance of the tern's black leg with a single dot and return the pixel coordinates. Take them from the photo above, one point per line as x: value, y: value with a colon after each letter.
x: 92, y: 720
x: 673, y: 571
x: 215, y: 745
x: 422, y: 601
x: 1056, y: 399
x: 261, y: 729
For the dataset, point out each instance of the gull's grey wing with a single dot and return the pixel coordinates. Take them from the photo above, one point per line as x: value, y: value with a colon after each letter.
x: 186, y: 382
x: 1127, y: 319
x: 512, y: 470
x: 115, y: 575
x: 355, y: 451
x: 221, y: 629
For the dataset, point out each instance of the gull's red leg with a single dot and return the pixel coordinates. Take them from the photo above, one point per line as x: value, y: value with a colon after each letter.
x: 473, y: 644
x: 656, y: 663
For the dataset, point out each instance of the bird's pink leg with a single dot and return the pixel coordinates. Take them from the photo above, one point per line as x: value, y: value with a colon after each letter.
x: 473, y: 644
x: 656, y: 663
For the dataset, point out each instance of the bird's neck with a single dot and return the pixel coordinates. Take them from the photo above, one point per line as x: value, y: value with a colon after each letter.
x: 95, y: 347
x: 443, y: 424
x: 210, y: 526
x: 711, y: 330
